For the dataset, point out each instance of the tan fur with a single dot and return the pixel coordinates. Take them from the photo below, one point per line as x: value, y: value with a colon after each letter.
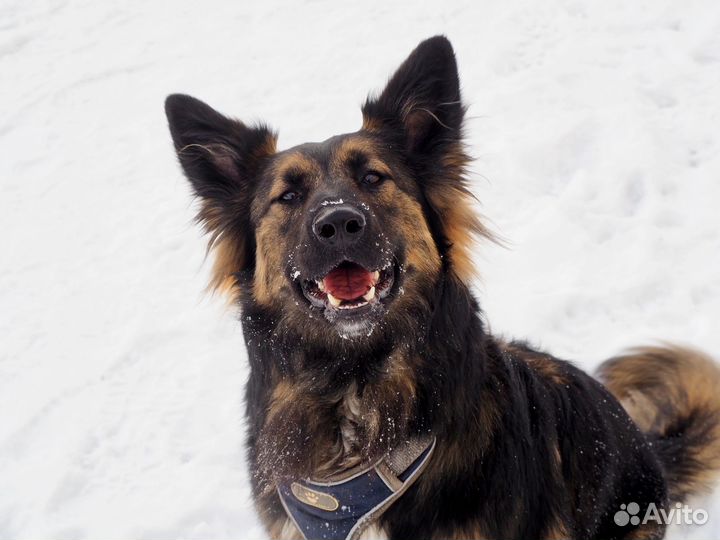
x: 228, y: 250
x: 228, y: 259
x: 454, y: 205
x: 423, y: 257
x: 298, y: 416
x: 284, y: 529
x: 470, y: 532
x: 357, y: 144
x: 453, y: 202
x: 558, y: 531
x: 269, y: 261
x: 270, y: 283
x: 283, y: 393
x: 544, y: 365
x: 296, y: 163
x: 373, y: 532
x: 648, y: 531
x: 659, y: 386
x: 390, y: 395
x: 372, y: 124
x: 451, y: 457
x: 268, y: 148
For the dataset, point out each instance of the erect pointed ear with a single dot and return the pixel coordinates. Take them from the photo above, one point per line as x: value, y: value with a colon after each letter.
x: 422, y: 98
x: 221, y: 157
x: 421, y: 104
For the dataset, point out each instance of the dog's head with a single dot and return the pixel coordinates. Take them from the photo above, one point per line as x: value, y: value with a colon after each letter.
x: 339, y: 238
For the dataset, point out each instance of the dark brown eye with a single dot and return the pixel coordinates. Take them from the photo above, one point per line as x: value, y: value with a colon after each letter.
x: 371, y: 178
x: 289, y: 196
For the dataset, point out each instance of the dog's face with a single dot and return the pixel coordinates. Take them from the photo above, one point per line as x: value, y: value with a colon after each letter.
x: 339, y: 238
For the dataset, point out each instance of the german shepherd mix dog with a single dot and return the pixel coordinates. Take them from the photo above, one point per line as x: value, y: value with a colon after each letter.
x: 378, y: 404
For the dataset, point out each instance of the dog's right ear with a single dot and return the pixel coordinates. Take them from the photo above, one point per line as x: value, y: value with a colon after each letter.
x: 221, y: 157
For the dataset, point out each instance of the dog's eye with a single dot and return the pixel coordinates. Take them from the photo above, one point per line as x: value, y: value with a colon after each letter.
x: 289, y: 196
x: 371, y: 178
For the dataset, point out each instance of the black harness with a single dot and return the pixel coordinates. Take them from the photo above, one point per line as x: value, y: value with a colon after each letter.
x: 343, y: 507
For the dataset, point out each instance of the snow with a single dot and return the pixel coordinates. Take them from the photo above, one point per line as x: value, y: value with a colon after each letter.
x: 595, y: 129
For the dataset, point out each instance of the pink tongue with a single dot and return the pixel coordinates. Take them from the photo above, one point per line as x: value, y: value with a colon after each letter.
x: 348, y: 282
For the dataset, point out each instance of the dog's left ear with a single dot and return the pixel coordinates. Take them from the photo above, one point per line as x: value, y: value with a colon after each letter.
x: 422, y: 99
x: 421, y: 108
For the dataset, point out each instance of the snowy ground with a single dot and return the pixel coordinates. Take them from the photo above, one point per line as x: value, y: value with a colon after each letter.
x: 596, y: 131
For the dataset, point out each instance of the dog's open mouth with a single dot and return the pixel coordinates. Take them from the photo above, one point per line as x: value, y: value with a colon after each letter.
x: 349, y: 287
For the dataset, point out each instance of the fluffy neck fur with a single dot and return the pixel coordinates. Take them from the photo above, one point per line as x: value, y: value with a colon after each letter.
x: 319, y: 421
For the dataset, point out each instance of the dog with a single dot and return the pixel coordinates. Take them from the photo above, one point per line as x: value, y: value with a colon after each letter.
x: 378, y: 404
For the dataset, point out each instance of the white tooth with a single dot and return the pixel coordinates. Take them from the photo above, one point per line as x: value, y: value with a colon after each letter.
x: 321, y: 285
x: 375, y: 276
x: 353, y: 306
x: 370, y: 294
x: 334, y: 302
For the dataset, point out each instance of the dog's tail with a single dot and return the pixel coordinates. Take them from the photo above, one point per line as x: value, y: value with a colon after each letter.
x: 673, y: 395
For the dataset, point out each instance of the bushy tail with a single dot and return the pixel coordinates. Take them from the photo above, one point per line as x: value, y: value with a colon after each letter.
x: 673, y: 395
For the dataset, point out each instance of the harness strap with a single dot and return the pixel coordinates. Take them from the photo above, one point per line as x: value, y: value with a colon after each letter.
x: 342, y: 507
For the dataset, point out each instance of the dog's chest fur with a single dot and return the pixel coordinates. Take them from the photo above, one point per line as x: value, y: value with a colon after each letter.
x: 350, y: 417
x: 309, y: 431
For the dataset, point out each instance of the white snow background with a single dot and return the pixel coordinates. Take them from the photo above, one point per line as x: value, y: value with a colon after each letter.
x: 596, y: 131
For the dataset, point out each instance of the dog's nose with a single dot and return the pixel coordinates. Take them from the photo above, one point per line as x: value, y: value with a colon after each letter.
x: 341, y: 224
